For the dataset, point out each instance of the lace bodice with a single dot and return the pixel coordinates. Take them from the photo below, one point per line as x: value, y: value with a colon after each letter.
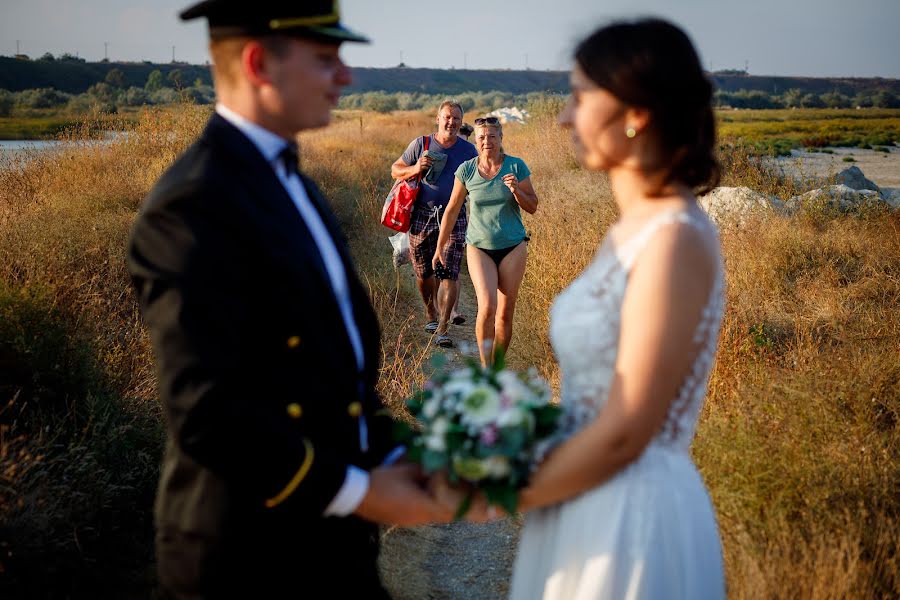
x: 584, y: 330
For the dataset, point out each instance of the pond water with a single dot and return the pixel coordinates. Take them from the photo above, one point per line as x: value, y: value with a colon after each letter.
x: 15, y: 145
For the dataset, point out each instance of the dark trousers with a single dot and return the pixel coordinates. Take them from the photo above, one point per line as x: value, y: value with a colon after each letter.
x: 195, y: 567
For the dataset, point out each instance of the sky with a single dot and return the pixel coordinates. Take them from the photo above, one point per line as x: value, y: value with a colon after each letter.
x: 817, y: 38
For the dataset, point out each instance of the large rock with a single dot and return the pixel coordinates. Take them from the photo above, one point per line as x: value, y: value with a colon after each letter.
x: 836, y: 197
x: 734, y: 205
x: 891, y: 196
x: 853, y: 178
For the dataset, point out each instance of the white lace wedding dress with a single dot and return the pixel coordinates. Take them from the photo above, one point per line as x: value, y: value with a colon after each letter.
x: 650, y: 530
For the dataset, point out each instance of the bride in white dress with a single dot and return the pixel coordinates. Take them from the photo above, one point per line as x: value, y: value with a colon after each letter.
x: 618, y: 509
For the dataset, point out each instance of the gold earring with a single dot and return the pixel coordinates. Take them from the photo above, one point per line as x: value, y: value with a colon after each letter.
x: 630, y: 132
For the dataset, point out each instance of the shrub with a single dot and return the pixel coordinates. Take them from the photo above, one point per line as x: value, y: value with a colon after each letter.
x: 136, y: 96
x: 41, y: 98
x: 7, y: 101
x: 380, y: 102
x: 164, y: 96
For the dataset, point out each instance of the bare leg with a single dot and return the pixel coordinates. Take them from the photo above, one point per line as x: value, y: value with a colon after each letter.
x: 511, y: 272
x: 428, y: 290
x: 483, y: 273
x: 448, y: 294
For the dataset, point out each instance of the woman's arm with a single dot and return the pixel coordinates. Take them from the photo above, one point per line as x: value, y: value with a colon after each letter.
x: 451, y: 212
x: 523, y: 192
x: 667, y: 291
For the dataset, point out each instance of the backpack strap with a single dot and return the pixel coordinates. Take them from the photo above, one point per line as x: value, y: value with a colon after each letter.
x: 425, y: 140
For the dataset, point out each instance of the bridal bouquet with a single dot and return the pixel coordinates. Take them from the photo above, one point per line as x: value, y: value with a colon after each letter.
x: 482, y: 425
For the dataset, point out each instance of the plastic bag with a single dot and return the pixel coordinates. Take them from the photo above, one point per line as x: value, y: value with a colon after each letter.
x: 400, y: 243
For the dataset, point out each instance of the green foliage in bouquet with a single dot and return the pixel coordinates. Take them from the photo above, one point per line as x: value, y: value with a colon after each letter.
x: 484, y: 426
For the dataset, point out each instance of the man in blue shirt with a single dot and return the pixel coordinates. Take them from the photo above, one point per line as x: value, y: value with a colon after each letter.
x: 436, y: 166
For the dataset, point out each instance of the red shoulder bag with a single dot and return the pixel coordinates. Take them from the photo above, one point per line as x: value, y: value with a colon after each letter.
x: 397, y: 211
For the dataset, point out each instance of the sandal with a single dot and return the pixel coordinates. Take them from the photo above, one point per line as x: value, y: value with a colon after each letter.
x: 444, y: 341
x: 431, y: 326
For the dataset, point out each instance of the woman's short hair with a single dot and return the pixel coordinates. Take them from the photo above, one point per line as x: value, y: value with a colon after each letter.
x: 652, y: 64
x: 490, y: 121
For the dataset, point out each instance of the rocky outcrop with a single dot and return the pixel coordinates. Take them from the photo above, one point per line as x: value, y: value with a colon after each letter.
x: 853, y: 178
x: 891, y: 196
x: 836, y: 197
x: 734, y: 205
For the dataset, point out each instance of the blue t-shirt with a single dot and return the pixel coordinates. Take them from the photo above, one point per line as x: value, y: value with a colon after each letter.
x: 439, y: 193
x: 495, y: 221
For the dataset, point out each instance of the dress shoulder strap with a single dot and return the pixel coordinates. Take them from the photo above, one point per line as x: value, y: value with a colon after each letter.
x: 628, y: 251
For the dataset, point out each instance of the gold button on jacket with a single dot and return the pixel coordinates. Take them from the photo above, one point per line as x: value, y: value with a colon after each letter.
x: 294, y: 410
x: 293, y: 341
x: 354, y: 409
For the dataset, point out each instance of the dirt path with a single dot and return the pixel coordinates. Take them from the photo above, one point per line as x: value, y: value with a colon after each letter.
x: 461, y: 560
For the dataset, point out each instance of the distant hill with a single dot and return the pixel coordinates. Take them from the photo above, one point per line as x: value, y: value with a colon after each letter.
x: 76, y: 76
x: 809, y: 85
x: 456, y: 81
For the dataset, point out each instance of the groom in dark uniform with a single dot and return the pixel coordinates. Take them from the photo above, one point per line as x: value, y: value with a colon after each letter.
x: 277, y: 467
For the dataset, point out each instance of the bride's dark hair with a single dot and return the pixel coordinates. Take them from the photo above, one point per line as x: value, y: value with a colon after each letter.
x: 652, y: 64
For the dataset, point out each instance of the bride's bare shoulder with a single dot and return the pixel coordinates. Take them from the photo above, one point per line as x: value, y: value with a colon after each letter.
x: 685, y: 248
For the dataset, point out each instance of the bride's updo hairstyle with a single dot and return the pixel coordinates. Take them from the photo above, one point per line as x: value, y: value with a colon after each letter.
x: 652, y: 64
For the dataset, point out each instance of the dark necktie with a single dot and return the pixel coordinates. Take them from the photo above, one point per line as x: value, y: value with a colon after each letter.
x: 290, y: 156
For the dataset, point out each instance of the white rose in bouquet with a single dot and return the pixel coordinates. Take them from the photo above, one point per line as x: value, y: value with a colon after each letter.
x: 481, y: 406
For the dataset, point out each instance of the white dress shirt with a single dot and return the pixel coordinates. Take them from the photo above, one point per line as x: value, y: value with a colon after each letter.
x: 270, y: 145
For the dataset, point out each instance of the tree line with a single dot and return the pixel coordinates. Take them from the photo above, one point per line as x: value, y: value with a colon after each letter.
x: 111, y: 94
x: 112, y: 86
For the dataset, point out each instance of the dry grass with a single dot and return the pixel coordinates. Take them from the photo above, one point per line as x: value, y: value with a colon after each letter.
x: 798, y: 442
x: 80, y: 427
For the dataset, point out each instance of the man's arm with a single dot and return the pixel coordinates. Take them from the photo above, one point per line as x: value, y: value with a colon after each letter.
x: 406, y: 167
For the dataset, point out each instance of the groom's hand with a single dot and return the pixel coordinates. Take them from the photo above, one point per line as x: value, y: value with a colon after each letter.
x: 396, y: 498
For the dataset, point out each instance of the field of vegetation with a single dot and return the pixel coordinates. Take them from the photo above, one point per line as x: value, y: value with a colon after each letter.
x: 799, y: 442
x: 776, y: 132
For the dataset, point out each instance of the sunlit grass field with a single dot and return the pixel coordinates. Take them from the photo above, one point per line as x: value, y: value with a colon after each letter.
x: 798, y: 442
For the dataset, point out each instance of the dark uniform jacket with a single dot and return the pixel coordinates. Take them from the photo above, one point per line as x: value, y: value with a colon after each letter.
x: 258, y: 378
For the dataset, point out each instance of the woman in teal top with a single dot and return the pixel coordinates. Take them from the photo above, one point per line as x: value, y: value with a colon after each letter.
x: 499, y: 188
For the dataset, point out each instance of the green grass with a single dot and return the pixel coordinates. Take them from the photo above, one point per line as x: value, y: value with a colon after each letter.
x: 776, y: 132
x: 34, y: 128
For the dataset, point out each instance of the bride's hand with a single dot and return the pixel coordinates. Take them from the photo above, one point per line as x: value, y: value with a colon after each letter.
x: 480, y: 511
x: 447, y: 495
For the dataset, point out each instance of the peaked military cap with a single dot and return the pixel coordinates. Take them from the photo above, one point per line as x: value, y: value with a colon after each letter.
x: 317, y: 19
